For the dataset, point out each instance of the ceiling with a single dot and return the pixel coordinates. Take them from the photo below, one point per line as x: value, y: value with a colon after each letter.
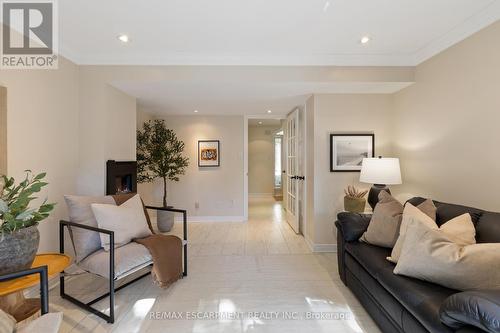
x: 267, y: 32
x: 238, y: 97
x: 282, y: 34
x: 276, y: 123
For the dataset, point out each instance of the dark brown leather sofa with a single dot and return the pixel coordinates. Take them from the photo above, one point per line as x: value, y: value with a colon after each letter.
x: 398, y: 303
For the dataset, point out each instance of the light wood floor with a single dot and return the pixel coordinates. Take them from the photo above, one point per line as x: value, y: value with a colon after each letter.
x: 260, y: 271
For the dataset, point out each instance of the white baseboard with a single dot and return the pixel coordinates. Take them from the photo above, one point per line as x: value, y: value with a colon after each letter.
x: 212, y: 219
x: 260, y: 195
x: 320, y: 248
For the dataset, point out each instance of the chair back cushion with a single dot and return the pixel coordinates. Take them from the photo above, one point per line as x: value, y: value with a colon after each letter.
x: 127, y: 221
x: 84, y: 241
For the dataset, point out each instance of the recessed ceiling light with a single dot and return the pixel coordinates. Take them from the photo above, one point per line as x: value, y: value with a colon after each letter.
x: 269, y: 111
x: 260, y: 122
x: 195, y: 111
x: 123, y: 38
x: 365, y: 39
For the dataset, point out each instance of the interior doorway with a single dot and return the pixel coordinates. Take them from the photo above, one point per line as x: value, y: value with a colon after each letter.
x: 268, y: 173
x: 265, y: 158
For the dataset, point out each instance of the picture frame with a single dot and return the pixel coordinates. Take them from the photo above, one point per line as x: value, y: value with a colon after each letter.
x: 348, y: 150
x: 208, y: 153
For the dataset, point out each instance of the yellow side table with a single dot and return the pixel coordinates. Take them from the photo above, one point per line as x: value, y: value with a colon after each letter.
x: 12, y: 299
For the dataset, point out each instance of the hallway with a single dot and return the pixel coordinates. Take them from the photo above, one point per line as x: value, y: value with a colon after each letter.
x: 260, y: 271
x: 266, y: 232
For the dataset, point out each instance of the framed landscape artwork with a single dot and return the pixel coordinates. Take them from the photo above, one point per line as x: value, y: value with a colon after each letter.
x: 348, y: 150
x: 208, y: 153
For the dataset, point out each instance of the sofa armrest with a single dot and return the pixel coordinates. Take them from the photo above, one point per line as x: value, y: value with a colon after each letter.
x: 352, y: 225
x: 480, y: 309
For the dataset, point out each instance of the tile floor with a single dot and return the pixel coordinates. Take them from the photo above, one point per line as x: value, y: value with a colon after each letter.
x: 256, y: 277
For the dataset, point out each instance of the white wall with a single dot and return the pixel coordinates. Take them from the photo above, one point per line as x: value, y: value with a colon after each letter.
x: 343, y: 114
x: 219, y: 190
x: 3, y: 130
x: 447, y: 124
x: 107, y: 125
x: 42, y: 123
x: 66, y: 122
x: 261, y: 159
x: 309, y: 226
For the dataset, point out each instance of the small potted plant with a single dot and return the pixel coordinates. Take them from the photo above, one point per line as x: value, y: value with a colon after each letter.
x: 159, y: 155
x: 19, y: 236
x: 354, y: 200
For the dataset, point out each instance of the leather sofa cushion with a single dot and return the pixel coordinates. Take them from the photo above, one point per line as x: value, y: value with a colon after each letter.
x: 420, y: 298
x: 488, y: 228
x: 352, y: 225
x: 446, y: 212
x: 384, y: 300
x: 477, y: 308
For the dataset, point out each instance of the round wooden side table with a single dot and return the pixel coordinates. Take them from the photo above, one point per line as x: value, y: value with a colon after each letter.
x: 12, y: 298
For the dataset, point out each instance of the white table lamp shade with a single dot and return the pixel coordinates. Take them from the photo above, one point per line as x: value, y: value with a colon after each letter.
x: 380, y: 171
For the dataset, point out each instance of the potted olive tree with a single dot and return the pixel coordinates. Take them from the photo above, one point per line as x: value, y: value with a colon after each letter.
x: 160, y: 155
x: 19, y: 236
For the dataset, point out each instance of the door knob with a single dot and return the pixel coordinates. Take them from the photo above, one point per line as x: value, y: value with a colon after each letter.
x: 300, y: 177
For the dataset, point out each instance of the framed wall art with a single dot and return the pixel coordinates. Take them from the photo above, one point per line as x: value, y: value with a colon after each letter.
x: 348, y: 150
x: 208, y: 153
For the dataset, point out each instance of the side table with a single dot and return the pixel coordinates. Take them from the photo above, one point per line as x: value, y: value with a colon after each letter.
x: 12, y: 298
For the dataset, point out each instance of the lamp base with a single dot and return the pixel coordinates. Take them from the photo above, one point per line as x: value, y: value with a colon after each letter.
x: 374, y: 192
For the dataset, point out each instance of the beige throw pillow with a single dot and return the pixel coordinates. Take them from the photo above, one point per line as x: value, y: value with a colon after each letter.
x: 384, y: 224
x: 431, y: 255
x: 127, y: 221
x: 460, y: 229
x: 383, y: 229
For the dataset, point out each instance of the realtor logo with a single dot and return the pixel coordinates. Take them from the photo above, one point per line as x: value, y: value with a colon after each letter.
x: 29, y: 34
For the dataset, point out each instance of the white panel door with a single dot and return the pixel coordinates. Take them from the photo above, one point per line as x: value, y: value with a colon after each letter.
x: 292, y: 165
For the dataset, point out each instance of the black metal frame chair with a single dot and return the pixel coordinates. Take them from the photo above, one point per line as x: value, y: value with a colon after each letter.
x: 44, y: 283
x: 112, y: 289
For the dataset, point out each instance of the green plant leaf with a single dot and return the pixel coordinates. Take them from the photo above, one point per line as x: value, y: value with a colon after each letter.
x: 26, y: 215
x: 40, y: 176
x: 3, y: 206
x: 15, y: 200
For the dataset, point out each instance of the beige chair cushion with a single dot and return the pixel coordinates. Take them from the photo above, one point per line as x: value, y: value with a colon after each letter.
x: 128, y: 259
x: 431, y: 255
x: 127, y: 221
x: 460, y: 229
x: 84, y: 241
